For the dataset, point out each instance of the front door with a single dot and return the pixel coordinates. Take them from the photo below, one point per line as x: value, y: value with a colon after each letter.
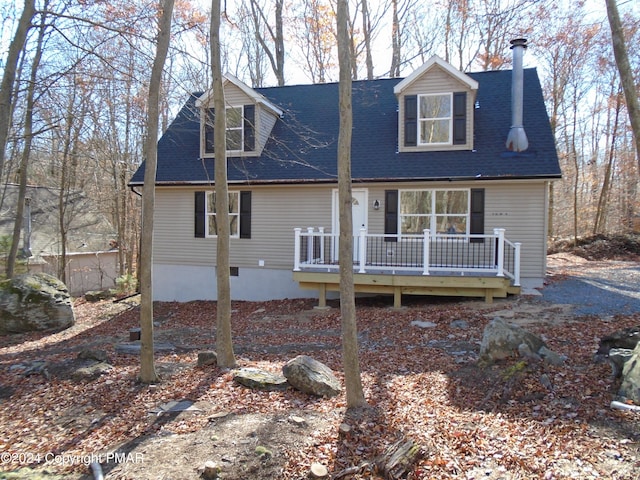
x: 359, y: 216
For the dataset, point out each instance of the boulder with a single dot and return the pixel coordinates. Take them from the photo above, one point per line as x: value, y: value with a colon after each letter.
x: 98, y: 295
x: 630, y: 385
x: 260, y: 379
x: 626, y: 338
x: 207, y: 357
x: 618, y: 357
x: 91, y: 372
x: 551, y: 357
x: 310, y: 376
x: 93, y: 354
x: 502, y: 340
x: 34, y: 302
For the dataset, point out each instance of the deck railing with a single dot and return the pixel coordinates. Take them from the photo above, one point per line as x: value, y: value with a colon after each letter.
x: 488, y: 254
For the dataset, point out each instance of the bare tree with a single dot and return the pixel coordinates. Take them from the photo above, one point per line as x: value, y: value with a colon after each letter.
x: 147, y: 367
x: 272, y: 35
x: 626, y: 74
x: 316, y: 39
x: 9, y: 76
x: 224, y: 344
x: 351, y: 364
x: 28, y: 134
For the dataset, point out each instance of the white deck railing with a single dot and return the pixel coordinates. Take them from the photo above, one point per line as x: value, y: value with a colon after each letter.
x: 489, y: 254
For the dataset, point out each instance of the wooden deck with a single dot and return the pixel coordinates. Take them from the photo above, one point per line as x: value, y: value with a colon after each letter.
x: 489, y: 287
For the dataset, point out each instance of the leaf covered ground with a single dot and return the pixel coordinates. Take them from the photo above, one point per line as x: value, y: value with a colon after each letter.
x: 509, y: 421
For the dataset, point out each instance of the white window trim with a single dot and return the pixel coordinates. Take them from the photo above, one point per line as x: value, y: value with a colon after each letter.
x: 203, y: 120
x: 433, y: 224
x: 208, y: 214
x: 449, y: 119
x: 241, y: 127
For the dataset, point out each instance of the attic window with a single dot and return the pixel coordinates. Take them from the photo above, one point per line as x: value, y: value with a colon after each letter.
x: 435, y: 119
x: 234, y: 129
x: 240, y: 133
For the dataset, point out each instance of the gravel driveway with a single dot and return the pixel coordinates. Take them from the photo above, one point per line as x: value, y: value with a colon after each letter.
x: 594, y: 288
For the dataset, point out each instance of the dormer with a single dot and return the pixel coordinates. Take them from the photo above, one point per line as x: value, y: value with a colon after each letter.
x: 250, y: 119
x: 435, y: 108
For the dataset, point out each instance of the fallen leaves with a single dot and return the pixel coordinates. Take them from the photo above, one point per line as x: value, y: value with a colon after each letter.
x: 474, y: 423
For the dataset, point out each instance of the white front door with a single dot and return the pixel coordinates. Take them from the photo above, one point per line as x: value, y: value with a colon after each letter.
x: 359, y: 216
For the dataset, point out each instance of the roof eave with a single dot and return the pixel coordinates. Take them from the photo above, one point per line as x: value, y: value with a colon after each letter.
x: 250, y: 92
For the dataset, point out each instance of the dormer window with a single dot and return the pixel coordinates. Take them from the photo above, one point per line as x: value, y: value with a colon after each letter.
x: 240, y: 136
x: 250, y: 117
x: 435, y: 108
x: 434, y: 121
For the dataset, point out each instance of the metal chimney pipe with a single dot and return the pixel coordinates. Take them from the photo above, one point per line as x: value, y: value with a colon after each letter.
x: 517, y: 138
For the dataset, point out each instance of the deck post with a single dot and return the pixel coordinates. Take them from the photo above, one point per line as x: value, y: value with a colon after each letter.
x: 397, y: 297
x: 362, y: 253
x: 321, y: 230
x: 322, y: 296
x: 499, y: 233
x: 296, y: 249
x: 310, y: 245
x: 425, y: 252
x: 516, y: 264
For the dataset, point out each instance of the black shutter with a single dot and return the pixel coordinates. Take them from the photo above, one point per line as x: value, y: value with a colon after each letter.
x: 477, y: 214
x: 391, y: 215
x: 245, y: 214
x: 460, y: 118
x: 200, y: 209
x: 208, y: 130
x: 249, y: 128
x: 411, y: 120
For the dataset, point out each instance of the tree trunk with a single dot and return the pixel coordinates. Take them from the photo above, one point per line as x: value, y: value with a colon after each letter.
x: 224, y: 343
x: 394, y: 71
x: 26, y: 152
x: 626, y: 74
x: 277, y: 57
x: 147, y: 366
x: 351, y: 364
x: 601, y: 211
x: 366, y: 32
x: 9, y: 76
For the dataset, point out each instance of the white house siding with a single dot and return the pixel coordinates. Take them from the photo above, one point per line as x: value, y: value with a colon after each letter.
x: 265, y: 121
x: 520, y: 208
x: 184, y: 265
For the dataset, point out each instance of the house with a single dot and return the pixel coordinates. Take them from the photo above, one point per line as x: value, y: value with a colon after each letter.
x: 440, y: 204
x: 91, y: 263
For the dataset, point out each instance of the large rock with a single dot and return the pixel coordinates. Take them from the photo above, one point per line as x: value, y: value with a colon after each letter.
x: 502, y: 340
x: 630, y: 386
x: 310, y: 376
x: 626, y: 338
x: 259, y: 379
x: 33, y: 302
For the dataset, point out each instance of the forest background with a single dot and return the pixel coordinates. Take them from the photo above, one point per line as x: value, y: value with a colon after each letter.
x: 78, y: 99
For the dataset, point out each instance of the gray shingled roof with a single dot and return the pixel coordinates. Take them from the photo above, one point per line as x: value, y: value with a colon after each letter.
x: 303, y: 144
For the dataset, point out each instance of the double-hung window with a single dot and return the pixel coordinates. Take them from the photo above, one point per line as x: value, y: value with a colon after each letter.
x: 235, y: 130
x: 435, y: 119
x: 439, y: 211
x: 234, y: 215
x: 240, y: 131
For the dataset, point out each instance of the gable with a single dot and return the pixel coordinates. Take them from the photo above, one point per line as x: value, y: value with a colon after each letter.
x: 250, y: 120
x: 450, y: 95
